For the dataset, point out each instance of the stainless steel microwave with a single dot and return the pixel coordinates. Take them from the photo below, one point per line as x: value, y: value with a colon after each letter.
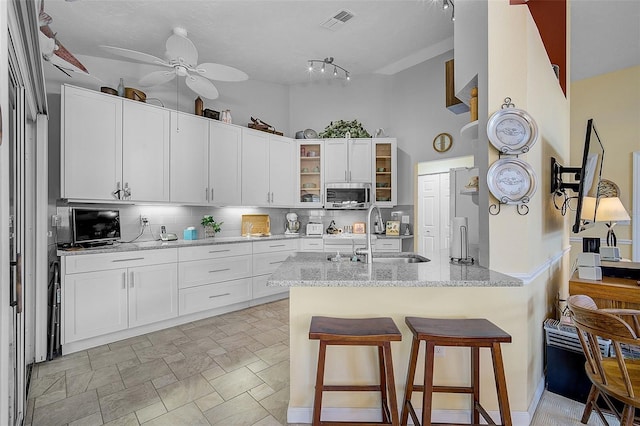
x: 348, y: 196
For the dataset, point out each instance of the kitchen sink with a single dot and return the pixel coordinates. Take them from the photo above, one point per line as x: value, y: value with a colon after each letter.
x: 400, y: 258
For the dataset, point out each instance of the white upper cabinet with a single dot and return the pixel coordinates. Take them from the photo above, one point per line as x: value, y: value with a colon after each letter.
x: 385, y: 171
x: 347, y: 160
x: 145, y: 152
x: 225, y: 170
x: 281, y: 178
x: 267, y: 169
x: 91, y: 144
x: 255, y: 168
x: 113, y: 148
x: 189, y: 164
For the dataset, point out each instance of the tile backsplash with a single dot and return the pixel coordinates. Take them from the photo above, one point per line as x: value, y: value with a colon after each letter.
x: 178, y: 218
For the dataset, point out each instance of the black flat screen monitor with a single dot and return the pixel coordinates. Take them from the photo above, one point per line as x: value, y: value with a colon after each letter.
x: 95, y: 226
x: 590, y: 174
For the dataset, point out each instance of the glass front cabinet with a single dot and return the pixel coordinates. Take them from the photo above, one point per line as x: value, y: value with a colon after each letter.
x: 385, y: 171
x: 309, y: 171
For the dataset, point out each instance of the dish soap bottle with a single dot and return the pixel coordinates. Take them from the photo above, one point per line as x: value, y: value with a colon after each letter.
x: 121, y: 88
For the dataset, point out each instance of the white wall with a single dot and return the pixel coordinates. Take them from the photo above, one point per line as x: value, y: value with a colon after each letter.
x: 251, y: 98
x: 409, y: 105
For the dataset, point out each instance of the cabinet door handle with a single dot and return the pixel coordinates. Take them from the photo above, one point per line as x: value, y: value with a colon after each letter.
x: 268, y: 197
x: 212, y: 194
x: 219, y: 251
x: 345, y: 175
x: 124, y: 280
x: 277, y: 245
x: 127, y: 260
x: 275, y: 263
x: 349, y: 175
x: 219, y: 295
x: 219, y: 270
x: 206, y: 194
x: 131, y: 284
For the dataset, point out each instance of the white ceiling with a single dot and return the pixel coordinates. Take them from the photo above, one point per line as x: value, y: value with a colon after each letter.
x: 271, y: 40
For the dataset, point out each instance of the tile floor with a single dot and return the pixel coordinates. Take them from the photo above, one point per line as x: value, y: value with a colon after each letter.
x: 228, y: 370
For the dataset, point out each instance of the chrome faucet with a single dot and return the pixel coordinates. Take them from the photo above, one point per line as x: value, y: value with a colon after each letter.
x: 368, y: 251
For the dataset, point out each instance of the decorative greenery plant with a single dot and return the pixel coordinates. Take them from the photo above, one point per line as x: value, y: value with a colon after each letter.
x: 338, y: 129
x: 209, y: 222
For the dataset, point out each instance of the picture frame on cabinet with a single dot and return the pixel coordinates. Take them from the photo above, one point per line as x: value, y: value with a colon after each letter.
x: 393, y: 227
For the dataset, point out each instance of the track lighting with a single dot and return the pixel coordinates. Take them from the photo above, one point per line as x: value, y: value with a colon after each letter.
x: 328, y: 61
x: 445, y: 6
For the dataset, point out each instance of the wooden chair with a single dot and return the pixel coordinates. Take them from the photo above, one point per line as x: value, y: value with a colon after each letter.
x: 611, y: 376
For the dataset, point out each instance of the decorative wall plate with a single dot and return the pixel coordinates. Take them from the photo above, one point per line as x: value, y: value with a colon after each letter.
x: 511, y: 181
x: 512, y: 131
x: 608, y: 188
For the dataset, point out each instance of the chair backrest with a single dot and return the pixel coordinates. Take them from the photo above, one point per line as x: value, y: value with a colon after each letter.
x: 593, y: 323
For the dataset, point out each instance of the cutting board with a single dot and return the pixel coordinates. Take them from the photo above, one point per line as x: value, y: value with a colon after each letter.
x: 256, y: 225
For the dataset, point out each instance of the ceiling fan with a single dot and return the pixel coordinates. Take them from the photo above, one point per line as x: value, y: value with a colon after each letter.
x: 182, y: 56
x: 52, y: 50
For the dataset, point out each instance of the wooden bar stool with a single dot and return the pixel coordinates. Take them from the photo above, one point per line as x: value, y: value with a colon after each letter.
x: 357, y: 332
x: 472, y: 333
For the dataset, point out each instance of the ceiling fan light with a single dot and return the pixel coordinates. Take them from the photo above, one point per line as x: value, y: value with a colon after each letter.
x: 348, y: 76
x: 323, y: 66
x: 335, y: 71
x: 310, y: 66
x: 445, y: 4
x: 181, y: 70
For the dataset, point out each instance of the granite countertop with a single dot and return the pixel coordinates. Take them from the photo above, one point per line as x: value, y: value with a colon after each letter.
x: 346, y: 236
x: 152, y: 245
x: 314, y: 270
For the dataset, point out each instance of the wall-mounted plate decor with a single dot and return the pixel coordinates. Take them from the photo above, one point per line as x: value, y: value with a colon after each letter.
x: 512, y: 131
x: 511, y: 181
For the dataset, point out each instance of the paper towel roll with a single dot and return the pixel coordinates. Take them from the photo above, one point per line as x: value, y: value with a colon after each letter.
x: 459, y: 238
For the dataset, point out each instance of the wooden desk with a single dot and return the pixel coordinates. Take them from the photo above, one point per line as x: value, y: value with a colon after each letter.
x: 609, y: 293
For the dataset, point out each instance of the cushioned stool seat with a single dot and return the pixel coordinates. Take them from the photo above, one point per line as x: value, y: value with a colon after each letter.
x: 357, y: 332
x: 472, y: 333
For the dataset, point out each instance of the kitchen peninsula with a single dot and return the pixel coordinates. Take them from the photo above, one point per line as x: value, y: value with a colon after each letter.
x: 430, y: 289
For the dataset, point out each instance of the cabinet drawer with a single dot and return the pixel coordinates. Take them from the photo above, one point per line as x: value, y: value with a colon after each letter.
x: 266, y: 263
x: 200, y: 272
x: 312, y: 244
x: 343, y: 248
x: 277, y: 245
x: 106, y: 261
x: 260, y: 288
x: 213, y: 251
x: 383, y: 244
x: 212, y: 296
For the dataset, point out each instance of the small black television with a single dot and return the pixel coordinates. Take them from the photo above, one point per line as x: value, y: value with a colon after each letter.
x: 586, y: 179
x: 95, y: 226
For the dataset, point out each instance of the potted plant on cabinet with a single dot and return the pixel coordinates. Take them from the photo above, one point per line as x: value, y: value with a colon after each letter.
x: 211, y: 227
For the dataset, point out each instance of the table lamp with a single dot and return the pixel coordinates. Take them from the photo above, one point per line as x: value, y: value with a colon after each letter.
x: 611, y: 210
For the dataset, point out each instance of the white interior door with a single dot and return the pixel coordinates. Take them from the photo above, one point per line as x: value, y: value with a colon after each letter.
x: 433, y: 213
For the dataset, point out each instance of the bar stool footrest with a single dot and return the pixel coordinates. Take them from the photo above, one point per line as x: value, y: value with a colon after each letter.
x: 345, y: 388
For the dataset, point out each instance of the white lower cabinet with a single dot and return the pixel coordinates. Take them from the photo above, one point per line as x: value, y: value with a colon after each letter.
x: 267, y: 257
x: 210, y: 296
x: 153, y: 294
x: 94, y: 303
x: 311, y: 244
x: 387, y: 245
x: 123, y: 290
x: 220, y: 276
x: 106, y: 295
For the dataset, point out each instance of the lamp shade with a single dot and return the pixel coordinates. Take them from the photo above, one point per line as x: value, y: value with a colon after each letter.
x: 610, y: 209
x: 588, y: 211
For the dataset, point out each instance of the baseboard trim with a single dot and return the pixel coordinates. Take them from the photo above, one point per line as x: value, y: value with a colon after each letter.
x: 303, y: 415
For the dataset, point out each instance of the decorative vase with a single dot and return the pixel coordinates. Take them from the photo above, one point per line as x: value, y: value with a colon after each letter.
x: 209, y: 232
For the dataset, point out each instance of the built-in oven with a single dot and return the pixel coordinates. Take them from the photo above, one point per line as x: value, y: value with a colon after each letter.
x: 347, y: 195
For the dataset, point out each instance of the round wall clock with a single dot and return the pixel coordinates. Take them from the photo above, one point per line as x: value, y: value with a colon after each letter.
x: 512, y: 131
x: 442, y: 142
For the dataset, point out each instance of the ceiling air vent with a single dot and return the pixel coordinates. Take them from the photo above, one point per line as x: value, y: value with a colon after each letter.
x: 337, y: 20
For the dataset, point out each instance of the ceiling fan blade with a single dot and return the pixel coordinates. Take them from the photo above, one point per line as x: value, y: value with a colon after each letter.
x: 221, y: 72
x: 202, y: 86
x: 179, y: 46
x: 157, y: 77
x: 135, y: 55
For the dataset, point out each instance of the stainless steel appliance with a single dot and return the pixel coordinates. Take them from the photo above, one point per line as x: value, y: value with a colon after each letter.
x: 293, y: 225
x: 348, y: 196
